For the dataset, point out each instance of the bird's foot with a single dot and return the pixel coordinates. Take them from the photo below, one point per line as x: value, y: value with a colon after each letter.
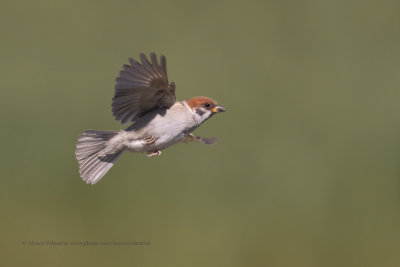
x: 193, y: 138
x: 149, y: 140
x: 153, y: 153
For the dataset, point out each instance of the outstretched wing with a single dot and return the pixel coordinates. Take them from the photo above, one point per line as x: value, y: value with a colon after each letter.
x: 142, y: 87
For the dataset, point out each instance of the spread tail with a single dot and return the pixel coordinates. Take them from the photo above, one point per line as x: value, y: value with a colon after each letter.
x: 93, y: 165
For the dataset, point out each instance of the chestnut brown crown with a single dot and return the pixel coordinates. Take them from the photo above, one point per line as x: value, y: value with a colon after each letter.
x: 204, y: 102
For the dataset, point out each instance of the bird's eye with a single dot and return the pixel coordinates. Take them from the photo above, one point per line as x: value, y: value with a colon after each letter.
x: 207, y: 105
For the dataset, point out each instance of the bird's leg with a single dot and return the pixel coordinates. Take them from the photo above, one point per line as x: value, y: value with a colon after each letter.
x: 153, y: 153
x: 149, y: 140
x: 189, y: 138
x: 193, y: 138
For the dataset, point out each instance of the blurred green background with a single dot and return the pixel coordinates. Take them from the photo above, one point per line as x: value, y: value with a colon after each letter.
x: 307, y: 171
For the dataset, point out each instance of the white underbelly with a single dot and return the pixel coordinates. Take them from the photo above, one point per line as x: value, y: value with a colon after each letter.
x: 164, y: 138
x: 168, y: 140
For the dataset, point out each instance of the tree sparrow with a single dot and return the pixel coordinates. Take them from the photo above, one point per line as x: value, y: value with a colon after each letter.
x: 143, y: 96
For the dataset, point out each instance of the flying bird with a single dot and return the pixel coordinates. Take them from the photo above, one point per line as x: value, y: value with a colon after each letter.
x: 144, y: 97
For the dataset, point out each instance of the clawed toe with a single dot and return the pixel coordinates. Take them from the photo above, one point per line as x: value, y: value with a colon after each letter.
x: 154, y: 153
x: 149, y: 140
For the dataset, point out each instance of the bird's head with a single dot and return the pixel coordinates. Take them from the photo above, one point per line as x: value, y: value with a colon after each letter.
x: 203, y: 108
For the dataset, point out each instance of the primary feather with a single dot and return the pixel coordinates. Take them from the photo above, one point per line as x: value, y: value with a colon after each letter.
x: 142, y: 87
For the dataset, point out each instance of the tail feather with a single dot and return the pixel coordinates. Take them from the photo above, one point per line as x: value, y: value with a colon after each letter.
x: 92, y: 164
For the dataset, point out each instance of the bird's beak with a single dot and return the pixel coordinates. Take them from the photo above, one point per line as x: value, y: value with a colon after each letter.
x: 218, y: 109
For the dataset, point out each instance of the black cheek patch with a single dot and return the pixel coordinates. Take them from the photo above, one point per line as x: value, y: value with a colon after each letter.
x: 200, y: 112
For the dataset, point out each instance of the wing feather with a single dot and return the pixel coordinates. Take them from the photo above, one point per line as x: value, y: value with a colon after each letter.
x: 163, y: 65
x: 142, y: 87
x: 157, y: 66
